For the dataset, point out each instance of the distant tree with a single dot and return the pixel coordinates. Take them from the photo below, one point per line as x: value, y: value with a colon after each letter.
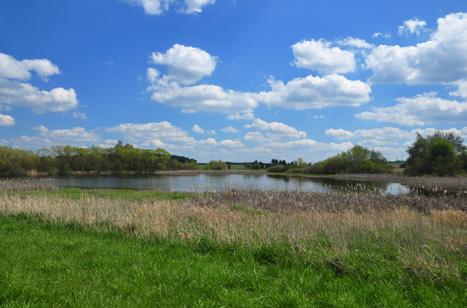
x: 441, y: 154
x: 217, y: 165
x: 356, y: 160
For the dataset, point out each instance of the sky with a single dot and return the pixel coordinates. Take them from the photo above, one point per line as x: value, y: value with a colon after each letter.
x: 237, y: 80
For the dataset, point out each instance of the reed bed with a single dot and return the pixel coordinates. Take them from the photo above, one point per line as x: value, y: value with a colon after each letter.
x: 422, y: 229
x: 256, y: 224
x: 27, y: 184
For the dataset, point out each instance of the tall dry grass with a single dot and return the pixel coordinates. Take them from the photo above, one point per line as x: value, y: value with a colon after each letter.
x: 243, y: 222
x: 421, y: 229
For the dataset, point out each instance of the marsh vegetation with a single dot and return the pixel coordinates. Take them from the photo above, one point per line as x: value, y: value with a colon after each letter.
x: 237, y: 247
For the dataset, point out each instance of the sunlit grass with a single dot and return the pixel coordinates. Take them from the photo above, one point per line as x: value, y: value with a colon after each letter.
x: 237, y: 248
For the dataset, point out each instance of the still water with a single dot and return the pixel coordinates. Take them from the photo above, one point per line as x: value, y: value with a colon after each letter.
x: 210, y: 182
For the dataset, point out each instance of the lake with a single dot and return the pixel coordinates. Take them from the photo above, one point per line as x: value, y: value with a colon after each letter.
x: 215, y: 182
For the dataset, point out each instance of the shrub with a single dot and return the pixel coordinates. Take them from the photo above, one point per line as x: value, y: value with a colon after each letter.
x: 277, y: 168
x: 217, y: 165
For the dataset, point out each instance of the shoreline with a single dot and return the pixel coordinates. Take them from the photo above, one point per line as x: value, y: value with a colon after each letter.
x: 451, y: 183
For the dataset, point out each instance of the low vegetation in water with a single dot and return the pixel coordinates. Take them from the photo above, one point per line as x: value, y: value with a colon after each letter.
x: 245, y: 248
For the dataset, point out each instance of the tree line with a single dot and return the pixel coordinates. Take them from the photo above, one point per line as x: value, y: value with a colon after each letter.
x: 62, y: 160
x: 438, y: 154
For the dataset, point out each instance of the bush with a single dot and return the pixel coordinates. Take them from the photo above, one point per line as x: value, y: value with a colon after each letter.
x: 439, y: 154
x: 356, y: 160
x: 217, y: 165
x: 277, y: 168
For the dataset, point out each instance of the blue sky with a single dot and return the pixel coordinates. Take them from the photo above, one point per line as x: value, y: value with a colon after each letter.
x: 232, y: 79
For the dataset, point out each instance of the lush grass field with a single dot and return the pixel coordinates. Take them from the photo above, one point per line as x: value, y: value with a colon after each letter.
x: 86, y: 248
x: 43, y: 264
x: 116, y: 194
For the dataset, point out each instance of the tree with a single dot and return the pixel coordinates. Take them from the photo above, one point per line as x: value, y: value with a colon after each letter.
x: 441, y: 154
x: 217, y: 165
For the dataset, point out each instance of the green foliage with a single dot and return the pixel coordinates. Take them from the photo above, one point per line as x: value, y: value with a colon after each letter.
x: 356, y: 160
x: 16, y: 162
x: 440, y: 154
x: 123, y: 158
x: 217, y: 165
x: 44, y: 264
x: 278, y: 168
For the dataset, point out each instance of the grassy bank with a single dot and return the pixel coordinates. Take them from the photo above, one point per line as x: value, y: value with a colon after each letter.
x: 71, y: 265
x: 112, y: 194
x: 251, y: 248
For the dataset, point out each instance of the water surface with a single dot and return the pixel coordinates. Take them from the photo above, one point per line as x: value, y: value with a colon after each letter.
x: 215, y: 182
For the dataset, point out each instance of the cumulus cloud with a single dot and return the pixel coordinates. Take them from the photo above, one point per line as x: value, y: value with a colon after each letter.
x: 320, y: 56
x: 412, y: 26
x: 185, y: 64
x: 276, y: 129
x: 158, y: 7
x: 188, y: 65
x: 381, y: 35
x: 230, y: 130
x: 197, y: 129
x: 441, y: 59
x: 15, y: 92
x: 45, y: 137
x: 204, y: 97
x: 420, y: 110
x: 10, y: 68
x: 79, y: 115
x: 461, y: 90
x: 314, y: 92
x: 159, y: 134
x: 6, y: 120
x: 196, y: 6
x: 391, y: 141
x: 354, y: 42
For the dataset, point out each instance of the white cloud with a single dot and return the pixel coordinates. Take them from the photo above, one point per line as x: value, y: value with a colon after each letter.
x: 46, y: 137
x: 158, y: 7
x: 319, y: 55
x: 14, y: 92
x: 391, y: 141
x: 354, y: 42
x: 381, y: 35
x: 277, y: 129
x: 66, y: 136
x: 412, y: 26
x: 204, y: 97
x: 237, y: 116
x: 160, y: 134
x: 461, y: 86
x: 196, y: 6
x: 230, y: 130
x: 185, y: 64
x: 317, y: 92
x: 442, y: 59
x: 197, y: 129
x: 151, y: 7
x: 79, y: 115
x: 6, y: 120
x: 419, y: 110
x: 11, y: 68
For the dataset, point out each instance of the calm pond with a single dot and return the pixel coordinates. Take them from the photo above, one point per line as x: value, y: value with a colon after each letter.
x: 215, y: 182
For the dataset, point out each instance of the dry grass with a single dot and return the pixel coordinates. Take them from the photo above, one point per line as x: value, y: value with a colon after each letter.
x: 245, y: 222
x: 423, y: 230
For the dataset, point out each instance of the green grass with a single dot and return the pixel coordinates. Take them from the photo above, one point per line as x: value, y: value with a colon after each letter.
x: 43, y: 264
x: 121, y: 194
